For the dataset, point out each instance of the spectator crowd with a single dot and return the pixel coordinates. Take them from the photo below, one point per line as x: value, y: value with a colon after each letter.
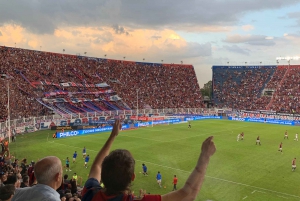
x: 143, y: 84
x: 243, y: 88
x: 17, y: 174
x: 286, y: 97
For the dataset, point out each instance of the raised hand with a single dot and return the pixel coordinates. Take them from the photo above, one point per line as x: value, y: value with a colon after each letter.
x: 208, y: 147
x: 116, y: 128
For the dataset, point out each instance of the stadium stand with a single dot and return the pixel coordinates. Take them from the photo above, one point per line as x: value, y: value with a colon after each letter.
x: 273, y: 88
x: 240, y: 87
x: 286, y: 96
x: 41, y: 82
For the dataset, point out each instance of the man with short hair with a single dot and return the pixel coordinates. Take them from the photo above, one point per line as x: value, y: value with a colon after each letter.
x: 158, y: 178
x: 294, y: 164
x: 74, y: 157
x: 48, y: 172
x: 145, y: 169
x: 280, y: 147
x: 25, y: 182
x: 86, y: 160
x: 7, y: 192
x: 83, y: 152
x: 286, y: 135
x: 68, y: 164
x: 116, y: 170
x: 175, y: 180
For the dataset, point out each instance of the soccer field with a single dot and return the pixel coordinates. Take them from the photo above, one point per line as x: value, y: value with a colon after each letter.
x: 237, y: 171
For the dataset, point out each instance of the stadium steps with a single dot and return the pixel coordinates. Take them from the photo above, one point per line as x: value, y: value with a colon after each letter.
x: 265, y: 84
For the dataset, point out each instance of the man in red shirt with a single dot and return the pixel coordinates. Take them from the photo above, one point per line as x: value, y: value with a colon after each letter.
x: 294, y: 164
x: 116, y: 171
x: 280, y: 147
x: 175, y: 180
x: 242, y: 136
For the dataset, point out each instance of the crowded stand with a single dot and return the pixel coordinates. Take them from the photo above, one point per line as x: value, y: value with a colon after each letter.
x: 286, y: 97
x: 257, y: 88
x: 240, y: 87
x: 42, y: 82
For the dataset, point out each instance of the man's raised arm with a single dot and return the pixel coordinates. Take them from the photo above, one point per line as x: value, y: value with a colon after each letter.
x: 95, y: 171
x: 193, y: 184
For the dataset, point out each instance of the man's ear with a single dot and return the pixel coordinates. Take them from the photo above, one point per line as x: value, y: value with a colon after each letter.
x: 133, y: 177
x: 57, y: 176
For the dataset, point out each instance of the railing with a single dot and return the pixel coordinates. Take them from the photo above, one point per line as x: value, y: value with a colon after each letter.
x: 33, y: 123
x: 33, y: 120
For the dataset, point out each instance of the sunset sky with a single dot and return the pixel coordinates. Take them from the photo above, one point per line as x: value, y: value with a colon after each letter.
x: 198, y: 32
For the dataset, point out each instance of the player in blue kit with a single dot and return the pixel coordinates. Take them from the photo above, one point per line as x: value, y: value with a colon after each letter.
x: 74, y: 157
x: 86, y: 160
x: 145, y: 169
x: 158, y: 178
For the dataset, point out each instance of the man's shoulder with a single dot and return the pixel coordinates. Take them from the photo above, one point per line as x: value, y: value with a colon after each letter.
x: 21, y: 190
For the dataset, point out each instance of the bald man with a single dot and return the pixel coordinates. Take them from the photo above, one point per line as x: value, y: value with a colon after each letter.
x: 48, y: 172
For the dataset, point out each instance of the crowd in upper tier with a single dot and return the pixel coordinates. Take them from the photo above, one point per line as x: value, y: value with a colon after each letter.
x: 153, y: 85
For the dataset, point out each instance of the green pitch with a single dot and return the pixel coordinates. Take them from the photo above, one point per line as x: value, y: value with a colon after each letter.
x: 238, y: 170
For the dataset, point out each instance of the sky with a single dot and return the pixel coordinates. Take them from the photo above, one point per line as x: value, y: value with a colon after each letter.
x: 198, y: 32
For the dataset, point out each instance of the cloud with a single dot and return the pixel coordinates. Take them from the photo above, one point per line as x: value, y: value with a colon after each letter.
x: 251, y: 39
x: 295, y: 15
x: 156, y: 37
x: 45, y: 16
x: 119, y: 30
x: 236, y: 49
x: 269, y: 37
x: 293, y: 39
x: 140, y: 43
x: 247, y: 27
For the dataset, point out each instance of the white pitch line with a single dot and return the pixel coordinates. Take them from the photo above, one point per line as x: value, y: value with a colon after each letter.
x: 253, y: 191
x: 260, y: 191
x: 282, y: 197
x: 245, y: 197
x: 216, y: 178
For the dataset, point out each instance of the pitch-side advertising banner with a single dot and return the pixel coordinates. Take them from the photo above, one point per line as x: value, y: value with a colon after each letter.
x: 262, y: 120
x: 87, y: 131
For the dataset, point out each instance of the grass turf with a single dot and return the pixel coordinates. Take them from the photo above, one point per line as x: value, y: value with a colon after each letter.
x: 238, y: 170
